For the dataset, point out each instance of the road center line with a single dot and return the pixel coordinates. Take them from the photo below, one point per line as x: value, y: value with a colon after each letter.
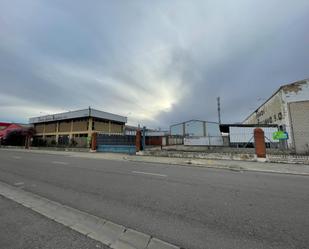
x: 16, y: 157
x: 146, y: 173
x: 58, y: 162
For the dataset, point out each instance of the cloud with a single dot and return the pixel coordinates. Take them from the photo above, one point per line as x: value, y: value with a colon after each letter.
x: 159, y: 63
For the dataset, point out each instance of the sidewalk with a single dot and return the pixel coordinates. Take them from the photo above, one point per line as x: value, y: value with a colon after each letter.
x: 283, y: 168
x: 23, y: 228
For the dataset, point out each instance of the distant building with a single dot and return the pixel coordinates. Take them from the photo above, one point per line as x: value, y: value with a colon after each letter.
x: 288, y: 108
x: 77, y: 126
x: 14, y: 134
x: 198, y: 132
x: 5, y: 128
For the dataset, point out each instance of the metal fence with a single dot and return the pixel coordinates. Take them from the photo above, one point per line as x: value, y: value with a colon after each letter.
x: 116, y: 143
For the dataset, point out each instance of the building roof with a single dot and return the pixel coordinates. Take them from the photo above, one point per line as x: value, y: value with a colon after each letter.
x: 193, y: 120
x: 89, y: 112
x: 295, y: 86
x: 4, y: 125
x: 9, y: 128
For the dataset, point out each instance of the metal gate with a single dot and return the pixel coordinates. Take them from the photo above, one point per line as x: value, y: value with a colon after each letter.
x: 116, y: 143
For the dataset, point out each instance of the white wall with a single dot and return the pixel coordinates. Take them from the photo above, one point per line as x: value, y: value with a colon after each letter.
x: 216, y: 141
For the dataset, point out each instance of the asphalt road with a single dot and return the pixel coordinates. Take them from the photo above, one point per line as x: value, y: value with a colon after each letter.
x: 195, y: 208
x: 22, y: 228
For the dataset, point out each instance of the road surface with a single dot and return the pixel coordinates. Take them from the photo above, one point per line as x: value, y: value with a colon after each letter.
x: 195, y: 208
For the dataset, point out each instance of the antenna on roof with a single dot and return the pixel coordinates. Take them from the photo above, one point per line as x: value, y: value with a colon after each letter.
x: 219, y: 110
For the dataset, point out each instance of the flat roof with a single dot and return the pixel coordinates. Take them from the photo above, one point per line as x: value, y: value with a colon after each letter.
x: 89, y: 112
x: 193, y: 120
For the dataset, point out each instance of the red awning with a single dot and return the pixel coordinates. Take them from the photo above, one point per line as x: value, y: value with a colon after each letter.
x: 10, y: 128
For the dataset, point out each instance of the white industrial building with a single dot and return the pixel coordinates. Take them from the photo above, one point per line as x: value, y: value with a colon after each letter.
x: 288, y: 107
x: 198, y: 132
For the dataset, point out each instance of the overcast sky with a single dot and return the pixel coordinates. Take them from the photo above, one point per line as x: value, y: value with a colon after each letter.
x: 157, y: 62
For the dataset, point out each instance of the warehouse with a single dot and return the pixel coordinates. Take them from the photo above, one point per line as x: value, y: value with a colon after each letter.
x: 198, y: 132
x: 288, y: 108
x: 76, y: 127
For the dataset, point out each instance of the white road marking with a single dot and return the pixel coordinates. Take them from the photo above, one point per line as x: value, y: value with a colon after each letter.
x: 58, y: 162
x: 16, y: 157
x: 146, y: 173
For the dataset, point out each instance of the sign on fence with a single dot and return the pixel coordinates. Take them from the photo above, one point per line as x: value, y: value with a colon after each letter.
x: 280, y: 135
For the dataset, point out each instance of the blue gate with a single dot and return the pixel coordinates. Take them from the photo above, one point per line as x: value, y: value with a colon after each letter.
x: 116, y: 143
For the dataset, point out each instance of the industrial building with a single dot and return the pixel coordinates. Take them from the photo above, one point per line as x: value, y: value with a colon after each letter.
x: 76, y: 127
x: 288, y: 108
x: 198, y: 132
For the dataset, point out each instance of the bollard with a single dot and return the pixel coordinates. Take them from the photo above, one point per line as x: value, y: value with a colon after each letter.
x: 27, y: 142
x: 144, y: 138
x: 138, y: 140
x: 94, y: 142
x: 259, y: 140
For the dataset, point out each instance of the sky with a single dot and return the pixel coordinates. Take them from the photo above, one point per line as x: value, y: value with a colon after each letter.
x: 157, y: 62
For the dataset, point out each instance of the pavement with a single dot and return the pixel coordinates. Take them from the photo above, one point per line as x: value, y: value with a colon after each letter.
x: 110, y: 234
x: 191, y: 207
x: 22, y: 228
x: 267, y: 167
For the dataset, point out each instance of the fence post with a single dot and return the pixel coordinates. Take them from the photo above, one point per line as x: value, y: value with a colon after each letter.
x: 27, y: 142
x: 144, y: 138
x: 93, y: 142
x: 138, y: 140
x: 260, y: 147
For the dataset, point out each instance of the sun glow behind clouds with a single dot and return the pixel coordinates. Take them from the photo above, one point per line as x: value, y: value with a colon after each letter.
x: 150, y: 90
x: 157, y: 62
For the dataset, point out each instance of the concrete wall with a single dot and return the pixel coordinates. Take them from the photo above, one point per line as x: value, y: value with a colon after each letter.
x: 80, y: 125
x: 300, y: 125
x: 116, y: 128
x: 39, y: 128
x: 272, y: 112
x: 101, y: 126
x: 195, y: 141
x: 64, y: 126
x: 49, y: 128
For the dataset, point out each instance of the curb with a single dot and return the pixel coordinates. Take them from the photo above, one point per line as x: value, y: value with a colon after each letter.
x: 214, y: 166
x: 111, y: 234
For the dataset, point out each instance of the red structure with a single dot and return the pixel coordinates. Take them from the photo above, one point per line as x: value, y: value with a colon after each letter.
x: 94, y: 141
x: 6, y: 128
x: 138, y: 140
x: 259, y: 139
x: 154, y: 141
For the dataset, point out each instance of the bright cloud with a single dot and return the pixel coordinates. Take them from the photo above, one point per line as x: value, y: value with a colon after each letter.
x: 156, y: 62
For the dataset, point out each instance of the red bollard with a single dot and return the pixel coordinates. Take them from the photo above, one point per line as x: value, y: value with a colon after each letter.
x: 138, y: 140
x: 94, y: 141
x: 27, y: 142
x: 259, y: 140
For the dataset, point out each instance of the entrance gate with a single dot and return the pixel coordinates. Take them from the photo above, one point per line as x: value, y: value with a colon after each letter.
x: 116, y: 143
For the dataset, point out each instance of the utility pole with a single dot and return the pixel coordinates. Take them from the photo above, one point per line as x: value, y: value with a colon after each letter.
x: 219, y: 110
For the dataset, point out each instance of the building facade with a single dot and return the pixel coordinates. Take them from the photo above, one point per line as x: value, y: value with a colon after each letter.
x: 288, y: 108
x: 76, y: 126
